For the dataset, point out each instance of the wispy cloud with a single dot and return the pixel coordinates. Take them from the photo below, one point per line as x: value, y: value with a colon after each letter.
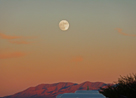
x: 12, y: 55
x: 121, y: 32
x: 77, y: 59
x: 16, y: 39
x: 4, y: 36
x: 20, y: 42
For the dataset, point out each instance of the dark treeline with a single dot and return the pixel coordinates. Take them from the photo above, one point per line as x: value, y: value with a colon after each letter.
x: 125, y: 87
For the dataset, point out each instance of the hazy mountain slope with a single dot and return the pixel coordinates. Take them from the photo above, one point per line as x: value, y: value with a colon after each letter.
x: 52, y: 90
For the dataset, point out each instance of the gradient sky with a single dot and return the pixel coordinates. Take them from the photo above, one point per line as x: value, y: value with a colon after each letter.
x: 100, y: 44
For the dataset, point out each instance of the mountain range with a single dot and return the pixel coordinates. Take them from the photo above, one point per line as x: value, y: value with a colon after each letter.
x: 52, y: 90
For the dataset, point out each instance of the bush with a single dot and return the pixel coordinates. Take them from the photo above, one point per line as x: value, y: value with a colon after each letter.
x: 125, y: 87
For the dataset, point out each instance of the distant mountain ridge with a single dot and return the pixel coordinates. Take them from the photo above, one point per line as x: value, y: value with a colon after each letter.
x: 52, y: 90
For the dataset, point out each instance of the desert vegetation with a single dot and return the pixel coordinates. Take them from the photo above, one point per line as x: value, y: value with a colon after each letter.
x: 125, y: 87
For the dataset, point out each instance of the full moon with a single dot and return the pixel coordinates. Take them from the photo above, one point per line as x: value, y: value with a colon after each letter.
x: 64, y: 25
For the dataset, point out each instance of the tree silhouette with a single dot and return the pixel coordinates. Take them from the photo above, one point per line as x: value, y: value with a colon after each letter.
x: 125, y: 87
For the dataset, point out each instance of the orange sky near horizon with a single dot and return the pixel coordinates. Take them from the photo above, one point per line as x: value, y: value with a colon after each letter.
x: 99, y: 46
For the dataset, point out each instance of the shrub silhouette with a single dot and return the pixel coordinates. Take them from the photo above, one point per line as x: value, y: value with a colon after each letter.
x: 125, y: 87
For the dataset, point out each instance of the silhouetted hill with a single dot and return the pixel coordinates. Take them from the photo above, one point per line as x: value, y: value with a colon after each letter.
x: 52, y: 90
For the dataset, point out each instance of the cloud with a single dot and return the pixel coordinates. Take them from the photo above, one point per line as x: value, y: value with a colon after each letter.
x: 3, y: 36
x: 12, y: 55
x: 120, y: 31
x: 20, y: 42
x: 18, y: 39
x: 77, y: 59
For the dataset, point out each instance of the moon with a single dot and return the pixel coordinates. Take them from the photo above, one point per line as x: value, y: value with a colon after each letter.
x: 64, y: 25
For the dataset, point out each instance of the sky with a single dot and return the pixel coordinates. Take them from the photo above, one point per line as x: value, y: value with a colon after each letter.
x: 100, y: 44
